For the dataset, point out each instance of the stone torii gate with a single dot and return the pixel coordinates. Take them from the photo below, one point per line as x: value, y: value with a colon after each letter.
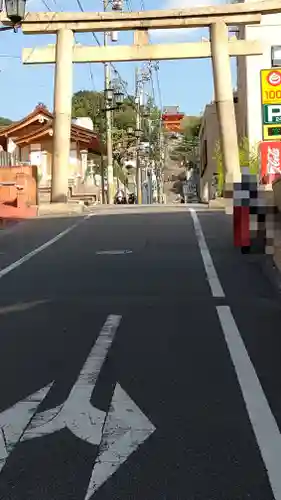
x: 66, y: 52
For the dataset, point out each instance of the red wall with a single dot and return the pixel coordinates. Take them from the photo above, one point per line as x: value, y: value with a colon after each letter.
x: 25, y: 176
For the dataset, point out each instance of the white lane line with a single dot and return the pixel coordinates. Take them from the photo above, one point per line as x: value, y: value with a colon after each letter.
x: 28, y: 256
x: 212, y: 277
x: 263, y: 422
x: 113, y: 252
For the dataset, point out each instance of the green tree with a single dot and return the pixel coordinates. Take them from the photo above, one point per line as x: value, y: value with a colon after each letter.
x: 91, y: 104
x: 5, y: 121
x: 248, y: 157
x: 191, y: 126
x: 185, y: 149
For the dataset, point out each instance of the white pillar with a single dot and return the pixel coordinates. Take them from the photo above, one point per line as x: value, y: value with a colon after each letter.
x: 224, y: 101
x: 205, y: 189
x: 62, y: 115
x: 44, y: 167
x: 84, y: 162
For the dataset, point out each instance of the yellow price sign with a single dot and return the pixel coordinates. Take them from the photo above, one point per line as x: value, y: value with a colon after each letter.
x: 271, y: 86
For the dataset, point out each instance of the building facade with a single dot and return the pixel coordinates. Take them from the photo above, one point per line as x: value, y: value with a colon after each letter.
x: 247, y: 98
x: 249, y: 116
x: 209, y: 148
x: 30, y: 141
x: 171, y: 119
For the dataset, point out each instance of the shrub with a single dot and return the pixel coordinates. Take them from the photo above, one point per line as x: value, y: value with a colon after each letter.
x: 248, y: 157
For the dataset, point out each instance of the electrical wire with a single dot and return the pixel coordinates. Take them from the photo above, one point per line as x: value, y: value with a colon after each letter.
x: 157, y: 69
x: 122, y: 83
x: 79, y: 3
x: 50, y: 10
x: 116, y: 72
x: 9, y: 56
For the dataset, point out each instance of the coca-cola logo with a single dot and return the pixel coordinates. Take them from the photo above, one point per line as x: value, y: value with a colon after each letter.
x: 273, y: 160
x: 274, y: 78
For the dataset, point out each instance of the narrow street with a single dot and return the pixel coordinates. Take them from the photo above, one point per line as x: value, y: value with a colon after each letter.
x: 139, y: 360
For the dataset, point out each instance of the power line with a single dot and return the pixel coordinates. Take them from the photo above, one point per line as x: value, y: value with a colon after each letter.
x: 158, y: 87
x: 9, y: 56
x: 49, y: 23
x: 129, y: 5
x: 116, y: 72
x: 49, y: 9
x: 123, y: 84
x: 82, y: 10
x: 80, y: 6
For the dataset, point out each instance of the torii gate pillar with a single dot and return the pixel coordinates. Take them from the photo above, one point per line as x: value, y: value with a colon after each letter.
x: 62, y: 115
x: 224, y: 102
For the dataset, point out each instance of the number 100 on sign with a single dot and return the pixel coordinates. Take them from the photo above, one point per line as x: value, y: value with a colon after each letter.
x: 271, y: 86
x: 272, y: 95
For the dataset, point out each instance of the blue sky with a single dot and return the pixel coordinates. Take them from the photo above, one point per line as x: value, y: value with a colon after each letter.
x: 186, y: 83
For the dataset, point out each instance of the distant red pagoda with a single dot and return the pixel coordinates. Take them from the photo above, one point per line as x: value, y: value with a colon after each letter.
x: 171, y: 119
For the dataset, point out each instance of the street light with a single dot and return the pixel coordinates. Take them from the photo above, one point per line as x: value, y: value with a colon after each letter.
x: 145, y: 112
x: 118, y: 98
x: 130, y: 131
x: 15, y: 10
x: 108, y: 94
x: 117, y: 4
x: 138, y: 133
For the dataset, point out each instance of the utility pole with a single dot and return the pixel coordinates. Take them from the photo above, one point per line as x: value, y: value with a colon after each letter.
x: 108, y: 121
x: 138, y: 126
x: 160, y: 165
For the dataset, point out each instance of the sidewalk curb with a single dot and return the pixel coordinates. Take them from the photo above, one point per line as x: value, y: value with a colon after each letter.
x: 60, y: 209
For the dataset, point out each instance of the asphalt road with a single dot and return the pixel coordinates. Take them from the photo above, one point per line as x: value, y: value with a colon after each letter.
x: 147, y: 375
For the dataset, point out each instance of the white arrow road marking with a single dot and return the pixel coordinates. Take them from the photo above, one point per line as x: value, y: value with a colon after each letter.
x: 14, y: 421
x: 118, y: 433
x: 77, y: 413
x: 126, y: 427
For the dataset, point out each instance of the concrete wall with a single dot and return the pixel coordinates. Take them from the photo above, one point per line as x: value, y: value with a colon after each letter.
x: 209, y: 136
x: 41, y: 155
x: 209, y: 139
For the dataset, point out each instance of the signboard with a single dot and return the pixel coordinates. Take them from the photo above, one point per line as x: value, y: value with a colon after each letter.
x: 271, y: 103
x: 272, y: 132
x: 271, y: 86
x: 272, y: 113
x: 270, y: 153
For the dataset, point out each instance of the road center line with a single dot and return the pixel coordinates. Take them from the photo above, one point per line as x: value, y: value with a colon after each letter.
x: 28, y: 256
x: 212, y: 277
x: 263, y: 422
